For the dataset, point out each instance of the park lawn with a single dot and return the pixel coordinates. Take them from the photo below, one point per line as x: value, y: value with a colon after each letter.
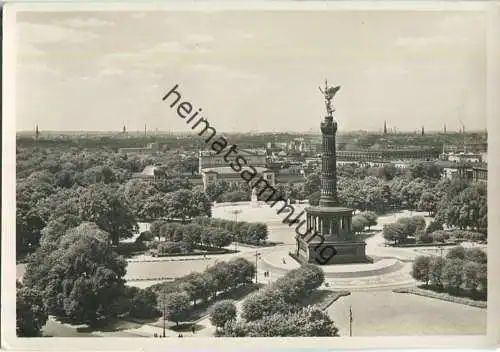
x: 444, y: 296
x: 323, y: 298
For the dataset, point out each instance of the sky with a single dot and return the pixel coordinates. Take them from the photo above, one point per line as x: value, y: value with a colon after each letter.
x: 251, y: 70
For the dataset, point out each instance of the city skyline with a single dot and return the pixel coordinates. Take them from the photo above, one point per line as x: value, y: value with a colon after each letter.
x: 107, y: 70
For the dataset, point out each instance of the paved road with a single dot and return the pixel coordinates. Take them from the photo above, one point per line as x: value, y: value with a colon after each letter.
x: 387, y: 313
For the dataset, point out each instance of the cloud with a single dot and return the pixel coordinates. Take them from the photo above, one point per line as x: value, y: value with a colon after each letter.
x: 245, y: 35
x: 35, y: 67
x: 389, y: 70
x: 83, y: 23
x: 46, y: 33
x: 138, y: 15
x: 109, y: 72
x: 422, y: 42
x: 199, y: 38
x: 176, y: 47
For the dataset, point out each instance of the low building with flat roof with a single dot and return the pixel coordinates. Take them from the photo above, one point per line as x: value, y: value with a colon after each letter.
x: 150, y: 148
x: 210, y: 159
x: 225, y: 173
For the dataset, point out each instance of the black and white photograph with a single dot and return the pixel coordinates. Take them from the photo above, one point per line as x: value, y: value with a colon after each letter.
x: 213, y: 174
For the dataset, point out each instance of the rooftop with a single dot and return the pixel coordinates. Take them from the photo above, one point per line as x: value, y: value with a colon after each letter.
x: 260, y: 152
x: 228, y: 170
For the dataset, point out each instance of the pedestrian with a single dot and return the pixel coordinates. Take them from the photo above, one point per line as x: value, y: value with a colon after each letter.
x: 193, y: 329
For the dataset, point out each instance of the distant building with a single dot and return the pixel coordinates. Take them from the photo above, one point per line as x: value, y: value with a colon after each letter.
x: 210, y: 159
x: 147, y: 173
x: 463, y: 157
x: 150, y: 148
x: 480, y: 174
x: 388, y: 154
x: 226, y: 173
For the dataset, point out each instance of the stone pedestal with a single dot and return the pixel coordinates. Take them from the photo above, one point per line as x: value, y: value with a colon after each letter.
x: 329, y: 238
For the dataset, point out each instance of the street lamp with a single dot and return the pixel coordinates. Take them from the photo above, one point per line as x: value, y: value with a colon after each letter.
x: 257, y: 257
x: 235, y: 212
x: 164, y: 311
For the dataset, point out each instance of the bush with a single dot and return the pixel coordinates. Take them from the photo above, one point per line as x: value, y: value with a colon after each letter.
x: 439, y: 236
x: 171, y: 248
x: 145, y: 236
x: 421, y: 269
x: 453, y: 274
x: 142, y: 303
x: 284, y: 294
x: 31, y: 313
x: 423, y: 237
x: 371, y: 218
x: 434, y: 226
x: 303, y: 322
x: 243, y: 232
x: 222, y: 312
x: 457, y: 252
x: 201, y: 286
x: 476, y: 255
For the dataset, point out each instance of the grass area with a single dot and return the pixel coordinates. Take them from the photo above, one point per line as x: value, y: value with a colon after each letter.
x: 201, y: 310
x: 323, y: 298
x: 444, y: 296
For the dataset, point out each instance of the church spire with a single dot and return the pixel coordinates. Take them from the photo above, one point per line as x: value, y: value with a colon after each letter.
x: 37, y: 132
x: 385, y: 127
x: 423, y: 131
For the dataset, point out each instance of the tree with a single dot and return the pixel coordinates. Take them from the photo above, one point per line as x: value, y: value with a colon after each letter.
x: 102, y: 205
x: 31, y: 314
x: 242, y: 271
x: 219, y: 274
x: 215, y: 190
x: 428, y: 203
x: 433, y: 226
x: 314, y: 277
x: 56, y: 228
x: 421, y: 269
x: 426, y: 170
x: 314, y: 198
x: 371, y: 218
x: 222, y: 312
x: 199, y: 204
x: 436, y: 271
x: 457, y: 252
x: 469, y: 209
x: 482, y: 278
x: 153, y: 207
x: 304, y: 322
x: 312, y: 184
x: 80, y: 279
x: 358, y: 224
x: 453, y: 274
x: 471, y: 276
x: 394, y: 232
x: 476, y: 255
x: 439, y: 236
x: 176, y: 306
x: 142, y: 303
x: 262, y: 303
